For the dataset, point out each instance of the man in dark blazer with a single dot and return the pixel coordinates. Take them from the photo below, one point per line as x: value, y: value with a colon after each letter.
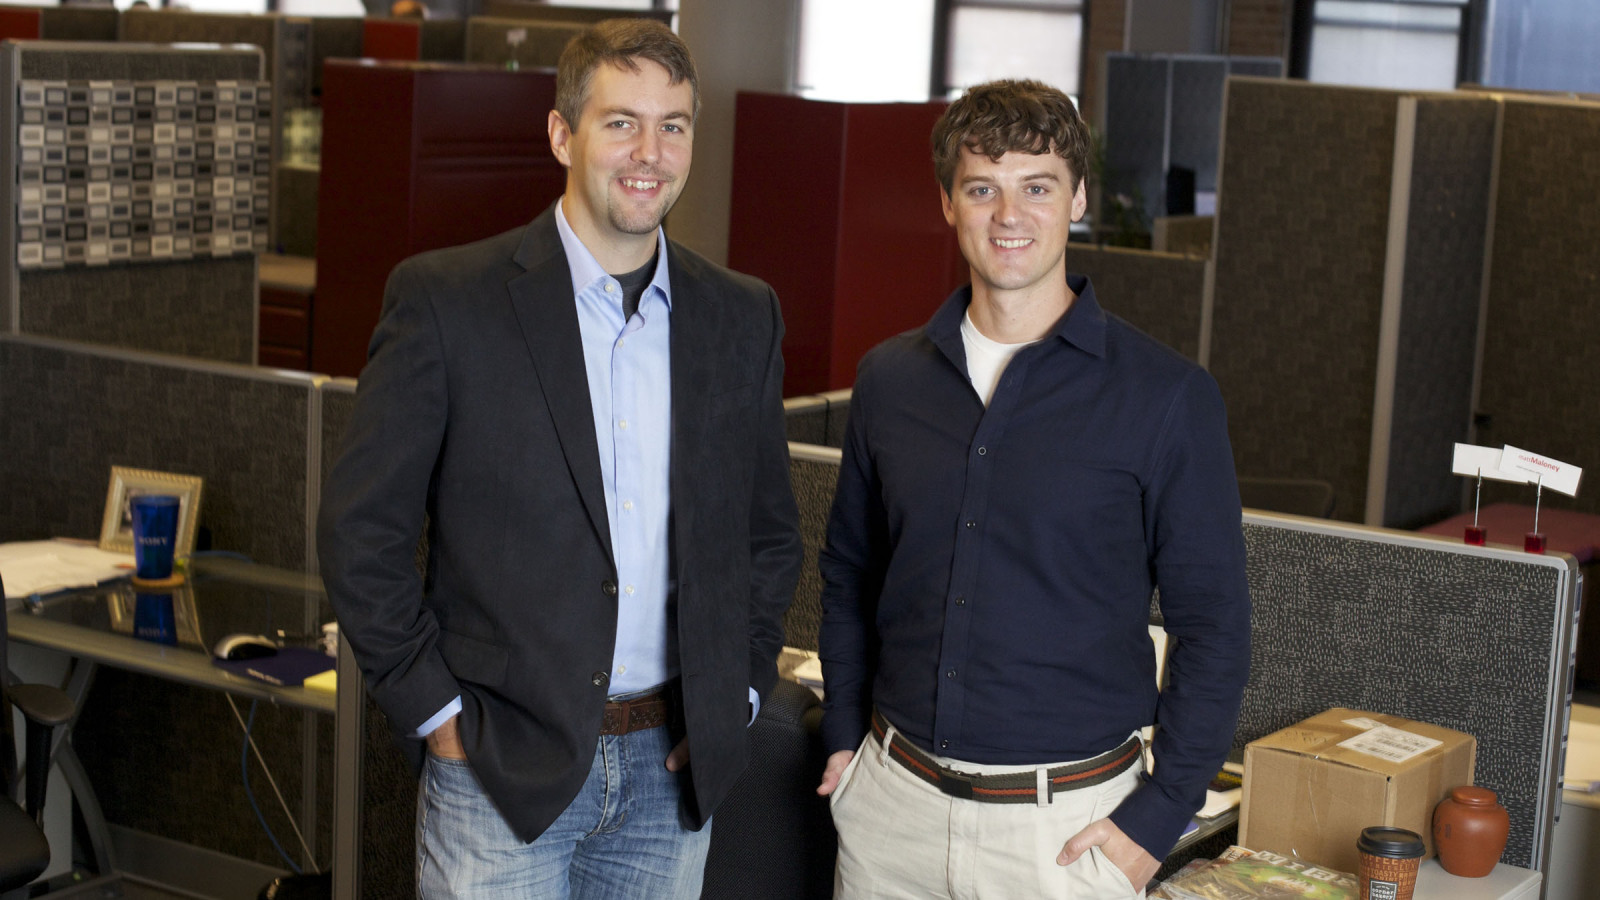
x: 588, y: 419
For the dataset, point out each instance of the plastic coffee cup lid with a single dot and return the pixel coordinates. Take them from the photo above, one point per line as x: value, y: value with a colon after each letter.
x: 1390, y: 843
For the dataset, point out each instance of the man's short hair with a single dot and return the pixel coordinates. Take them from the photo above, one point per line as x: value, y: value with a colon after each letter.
x: 1000, y: 117
x: 621, y: 43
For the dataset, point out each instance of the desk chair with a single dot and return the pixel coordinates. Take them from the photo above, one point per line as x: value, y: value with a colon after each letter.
x: 24, y: 853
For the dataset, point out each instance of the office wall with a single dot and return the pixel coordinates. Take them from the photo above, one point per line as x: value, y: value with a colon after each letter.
x: 738, y: 46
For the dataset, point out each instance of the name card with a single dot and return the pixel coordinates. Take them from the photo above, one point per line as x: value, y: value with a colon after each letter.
x: 1551, y: 473
x: 1472, y: 460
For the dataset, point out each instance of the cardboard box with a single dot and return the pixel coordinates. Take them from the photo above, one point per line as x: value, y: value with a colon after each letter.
x: 1310, y: 788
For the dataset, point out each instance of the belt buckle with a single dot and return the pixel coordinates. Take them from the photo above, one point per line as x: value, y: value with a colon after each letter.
x: 955, y: 784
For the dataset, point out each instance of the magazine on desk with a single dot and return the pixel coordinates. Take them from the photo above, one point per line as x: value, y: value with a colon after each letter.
x: 1242, y: 874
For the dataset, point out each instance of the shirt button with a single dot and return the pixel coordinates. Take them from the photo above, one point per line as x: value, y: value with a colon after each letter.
x: 628, y: 590
x: 972, y: 523
x: 627, y: 505
x: 623, y: 424
x: 621, y: 670
x: 950, y: 674
x: 961, y: 601
x: 944, y: 745
x: 983, y: 451
x: 610, y: 287
x: 599, y: 679
x: 609, y: 588
x: 620, y: 342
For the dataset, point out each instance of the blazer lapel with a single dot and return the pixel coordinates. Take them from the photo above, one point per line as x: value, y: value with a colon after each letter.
x: 693, y: 364
x: 548, y: 316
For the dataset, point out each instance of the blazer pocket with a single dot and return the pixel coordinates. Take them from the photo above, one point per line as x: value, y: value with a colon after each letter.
x: 473, y: 660
x: 728, y: 401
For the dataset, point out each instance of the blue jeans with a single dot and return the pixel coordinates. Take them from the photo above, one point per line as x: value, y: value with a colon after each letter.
x: 619, y: 839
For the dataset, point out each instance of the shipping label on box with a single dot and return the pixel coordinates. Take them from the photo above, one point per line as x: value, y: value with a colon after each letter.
x: 1310, y: 788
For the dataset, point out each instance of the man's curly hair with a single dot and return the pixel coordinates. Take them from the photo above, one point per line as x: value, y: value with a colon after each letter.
x: 1001, y: 117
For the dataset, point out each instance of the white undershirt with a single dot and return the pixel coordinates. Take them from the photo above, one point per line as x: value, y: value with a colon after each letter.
x: 986, y: 359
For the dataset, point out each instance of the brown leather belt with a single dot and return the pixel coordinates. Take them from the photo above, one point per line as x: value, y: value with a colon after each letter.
x: 1017, y: 787
x: 650, y: 711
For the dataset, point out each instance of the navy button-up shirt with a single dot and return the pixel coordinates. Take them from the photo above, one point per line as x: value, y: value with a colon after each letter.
x: 989, y: 570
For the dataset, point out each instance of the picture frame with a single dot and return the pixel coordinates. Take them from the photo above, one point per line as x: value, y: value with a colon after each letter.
x: 116, y: 529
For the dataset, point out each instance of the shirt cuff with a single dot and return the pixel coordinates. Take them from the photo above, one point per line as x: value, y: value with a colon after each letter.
x: 755, y: 706
x: 439, y: 718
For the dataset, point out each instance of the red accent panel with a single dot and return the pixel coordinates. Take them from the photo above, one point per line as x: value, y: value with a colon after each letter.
x: 20, y: 24
x: 417, y: 156
x: 836, y: 206
x: 391, y: 39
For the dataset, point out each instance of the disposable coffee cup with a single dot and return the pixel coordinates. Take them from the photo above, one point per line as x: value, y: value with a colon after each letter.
x: 155, y: 532
x: 1389, y: 861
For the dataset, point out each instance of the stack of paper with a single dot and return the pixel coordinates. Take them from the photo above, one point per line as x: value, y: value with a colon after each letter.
x: 45, y: 567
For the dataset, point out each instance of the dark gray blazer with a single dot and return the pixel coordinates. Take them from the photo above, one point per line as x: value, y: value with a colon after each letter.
x: 473, y: 410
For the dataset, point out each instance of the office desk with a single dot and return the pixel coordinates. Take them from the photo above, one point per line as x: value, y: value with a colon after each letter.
x: 94, y: 627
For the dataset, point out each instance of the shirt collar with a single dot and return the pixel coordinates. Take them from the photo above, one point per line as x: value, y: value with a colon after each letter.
x: 1084, y: 325
x: 586, y: 271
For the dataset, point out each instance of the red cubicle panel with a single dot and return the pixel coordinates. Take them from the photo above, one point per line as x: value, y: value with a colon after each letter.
x: 417, y: 156
x: 393, y: 39
x: 20, y: 24
x: 836, y: 206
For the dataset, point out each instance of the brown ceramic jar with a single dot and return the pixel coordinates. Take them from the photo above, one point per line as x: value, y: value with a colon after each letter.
x: 1469, y: 831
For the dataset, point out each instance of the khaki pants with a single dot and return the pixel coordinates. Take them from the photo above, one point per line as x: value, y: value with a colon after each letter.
x: 899, y: 837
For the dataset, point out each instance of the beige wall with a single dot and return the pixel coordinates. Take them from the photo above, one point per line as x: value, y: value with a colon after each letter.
x: 738, y: 46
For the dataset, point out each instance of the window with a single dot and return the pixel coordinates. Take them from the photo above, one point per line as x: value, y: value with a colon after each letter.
x: 989, y: 39
x: 865, y: 50
x: 1387, y: 43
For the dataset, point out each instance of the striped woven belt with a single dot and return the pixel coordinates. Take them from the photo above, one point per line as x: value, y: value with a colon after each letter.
x: 1017, y: 787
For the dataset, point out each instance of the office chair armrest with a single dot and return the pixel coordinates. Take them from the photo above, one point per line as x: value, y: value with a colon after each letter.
x: 42, y: 704
x: 43, y: 709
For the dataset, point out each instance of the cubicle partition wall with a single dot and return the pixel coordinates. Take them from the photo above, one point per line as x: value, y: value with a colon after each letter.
x: 58, y: 23
x: 1471, y: 638
x: 817, y: 418
x: 417, y: 156
x: 72, y: 411
x: 1341, y: 317
x: 1538, y: 378
x: 1160, y: 111
x: 103, y: 239
x: 1159, y: 293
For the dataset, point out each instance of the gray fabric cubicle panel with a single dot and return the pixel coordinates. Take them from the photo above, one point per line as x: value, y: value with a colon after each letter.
x: 1158, y: 293
x: 1134, y: 130
x: 203, y: 307
x: 72, y: 411
x: 1446, y: 229
x: 814, y: 471
x: 1196, y: 112
x: 1302, y: 219
x: 1464, y: 637
x: 1538, y: 381
x: 285, y: 40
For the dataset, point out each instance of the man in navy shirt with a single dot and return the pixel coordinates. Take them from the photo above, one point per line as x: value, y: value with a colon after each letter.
x: 1018, y: 477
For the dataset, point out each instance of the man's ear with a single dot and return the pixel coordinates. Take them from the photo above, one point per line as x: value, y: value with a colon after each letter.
x: 560, y: 137
x: 948, y: 206
x: 1080, y: 199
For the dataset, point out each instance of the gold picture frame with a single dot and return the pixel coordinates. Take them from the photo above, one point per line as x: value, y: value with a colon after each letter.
x: 116, y: 530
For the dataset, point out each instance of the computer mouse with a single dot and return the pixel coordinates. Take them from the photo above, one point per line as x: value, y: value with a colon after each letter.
x: 245, y: 646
